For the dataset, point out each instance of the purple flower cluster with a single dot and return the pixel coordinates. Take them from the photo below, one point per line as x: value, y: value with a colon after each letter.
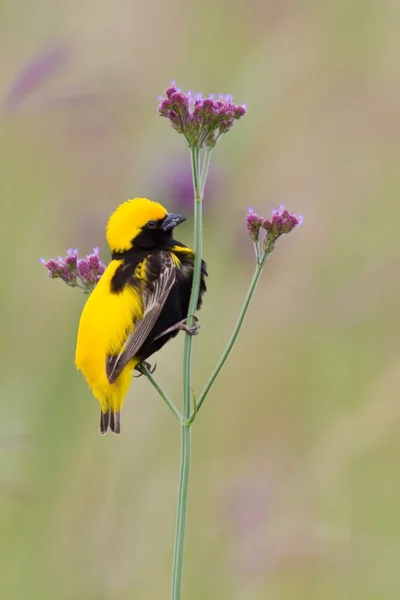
x: 281, y: 221
x: 76, y: 272
x: 253, y: 223
x: 200, y: 120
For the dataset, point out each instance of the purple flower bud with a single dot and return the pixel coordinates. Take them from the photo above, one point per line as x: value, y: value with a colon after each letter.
x: 95, y: 265
x: 282, y: 221
x: 171, y: 90
x: 253, y: 223
x: 71, y: 260
x: 84, y: 272
x: 239, y: 111
x: 201, y: 121
x: 53, y: 267
x: 68, y: 276
x: 163, y: 108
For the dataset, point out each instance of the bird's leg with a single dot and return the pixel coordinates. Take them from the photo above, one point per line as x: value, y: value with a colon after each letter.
x: 151, y: 368
x: 181, y: 326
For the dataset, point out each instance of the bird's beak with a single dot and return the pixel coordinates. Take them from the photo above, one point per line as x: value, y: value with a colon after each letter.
x: 172, y: 220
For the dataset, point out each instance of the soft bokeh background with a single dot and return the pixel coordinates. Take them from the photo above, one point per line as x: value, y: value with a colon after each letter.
x: 295, y: 490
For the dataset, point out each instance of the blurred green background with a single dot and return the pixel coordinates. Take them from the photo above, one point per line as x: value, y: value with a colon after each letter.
x: 295, y: 487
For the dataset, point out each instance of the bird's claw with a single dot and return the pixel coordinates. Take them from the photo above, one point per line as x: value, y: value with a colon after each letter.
x: 151, y: 368
x: 192, y: 329
x: 181, y: 326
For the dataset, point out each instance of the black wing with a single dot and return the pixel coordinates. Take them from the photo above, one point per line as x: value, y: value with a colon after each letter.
x: 153, y: 302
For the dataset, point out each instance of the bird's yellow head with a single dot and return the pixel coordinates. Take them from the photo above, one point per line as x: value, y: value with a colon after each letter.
x: 140, y: 223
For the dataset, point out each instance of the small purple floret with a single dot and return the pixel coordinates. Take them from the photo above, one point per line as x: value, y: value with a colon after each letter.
x: 253, y: 223
x: 84, y: 272
x: 76, y: 272
x: 71, y: 260
x: 200, y: 120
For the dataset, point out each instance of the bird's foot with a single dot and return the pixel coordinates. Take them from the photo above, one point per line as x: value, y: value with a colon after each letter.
x: 181, y: 326
x: 193, y: 329
x: 151, y: 368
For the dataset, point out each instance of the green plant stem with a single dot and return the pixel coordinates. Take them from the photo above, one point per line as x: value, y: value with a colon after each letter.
x: 257, y: 251
x: 204, y: 170
x: 180, y: 532
x: 164, y: 396
x: 239, y: 323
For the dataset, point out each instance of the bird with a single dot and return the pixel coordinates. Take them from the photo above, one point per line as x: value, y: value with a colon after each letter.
x: 140, y: 302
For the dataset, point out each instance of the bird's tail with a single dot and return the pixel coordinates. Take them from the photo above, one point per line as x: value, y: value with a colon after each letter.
x: 110, y: 420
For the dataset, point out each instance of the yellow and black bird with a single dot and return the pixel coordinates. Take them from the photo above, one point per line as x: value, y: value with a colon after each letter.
x: 140, y: 302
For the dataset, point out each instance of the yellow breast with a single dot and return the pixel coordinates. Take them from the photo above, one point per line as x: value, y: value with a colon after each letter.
x: 106, y: 321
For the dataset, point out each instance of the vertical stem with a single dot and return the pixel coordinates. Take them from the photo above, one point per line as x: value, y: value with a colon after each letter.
x: 204, y: 170
x: 180, y: 532
x: 257, y: 251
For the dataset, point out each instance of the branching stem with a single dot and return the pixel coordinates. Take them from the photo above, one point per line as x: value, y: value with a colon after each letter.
x: 235, y: 333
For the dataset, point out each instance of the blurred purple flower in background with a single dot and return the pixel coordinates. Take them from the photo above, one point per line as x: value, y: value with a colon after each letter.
x: 265, y: 535
x: 76, y: 272
x: 174, y: 184
x: 48, y: 62
x: 247, y: 512
x: 180, y: 183
x: 201, y: 120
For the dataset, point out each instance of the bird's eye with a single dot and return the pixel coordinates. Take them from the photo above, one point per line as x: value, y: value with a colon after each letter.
x: 152, y: 224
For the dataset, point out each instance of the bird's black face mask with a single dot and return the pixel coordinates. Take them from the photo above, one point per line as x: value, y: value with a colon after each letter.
x: 157, y: 233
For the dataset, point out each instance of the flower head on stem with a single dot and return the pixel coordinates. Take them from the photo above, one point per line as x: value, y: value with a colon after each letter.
x: 200, y: 120
x: 174, y: 183
x: 76, y: 272
x: 281, y: 221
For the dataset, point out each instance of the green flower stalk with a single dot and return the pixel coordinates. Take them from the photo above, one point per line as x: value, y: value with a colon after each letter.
x: 281, y: 222
x: 201, y: 122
